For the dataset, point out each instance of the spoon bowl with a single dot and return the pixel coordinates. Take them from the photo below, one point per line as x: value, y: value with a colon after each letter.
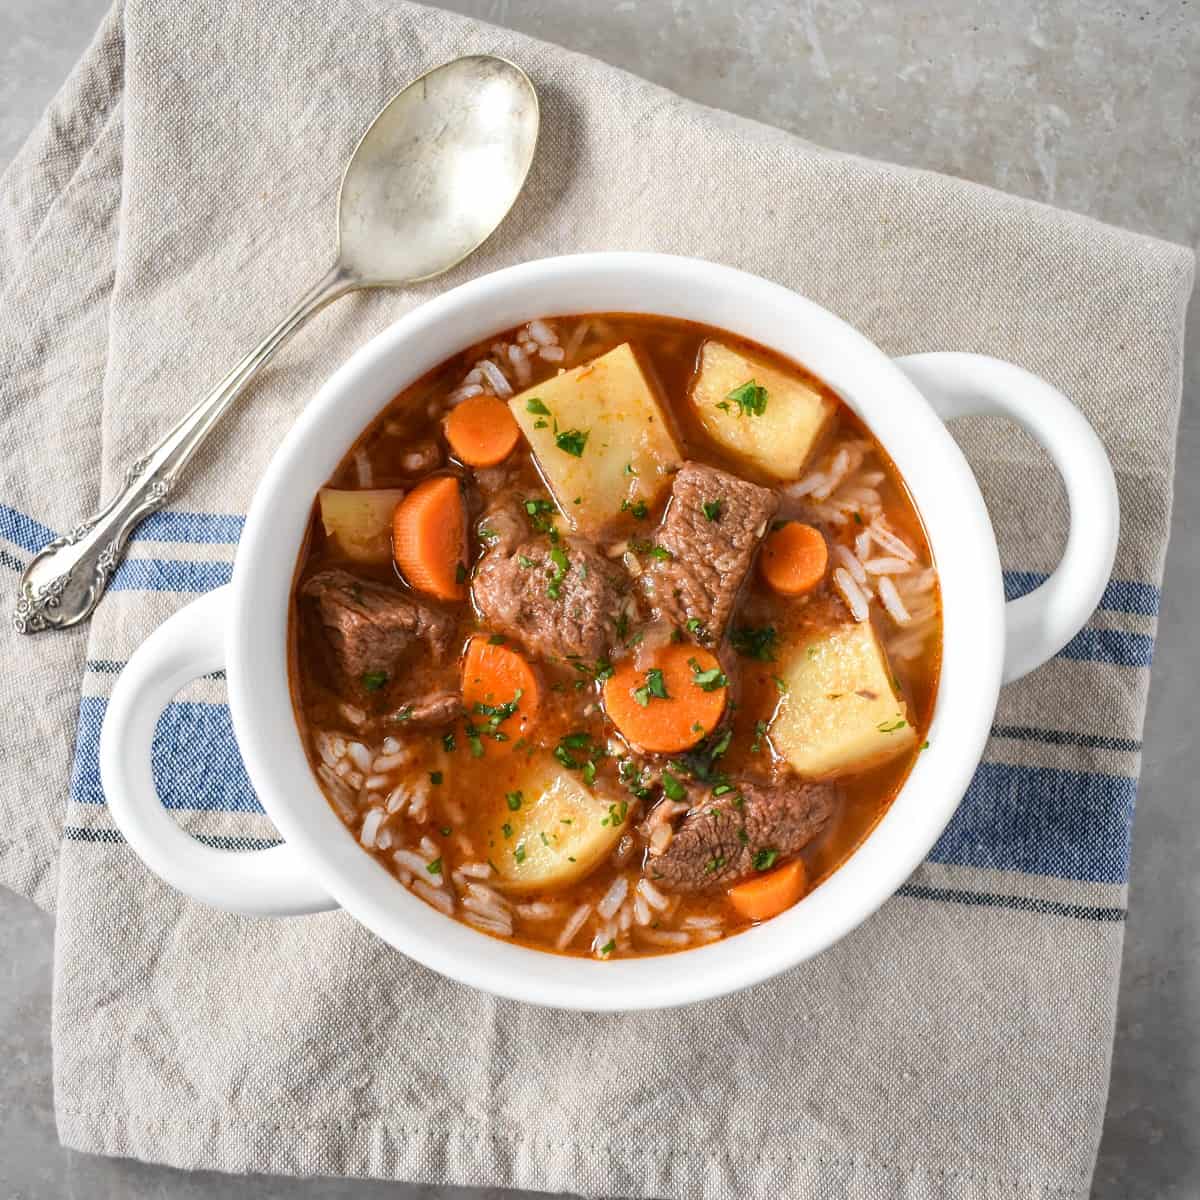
x: 437, y: 171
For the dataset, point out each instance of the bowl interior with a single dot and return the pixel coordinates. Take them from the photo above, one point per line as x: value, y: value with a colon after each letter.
x: 942, y: 487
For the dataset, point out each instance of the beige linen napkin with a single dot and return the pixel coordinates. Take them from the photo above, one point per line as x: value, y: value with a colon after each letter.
x: 179, y: 191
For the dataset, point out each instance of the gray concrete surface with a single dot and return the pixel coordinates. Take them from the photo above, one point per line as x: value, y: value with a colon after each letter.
x: 1092, y: 106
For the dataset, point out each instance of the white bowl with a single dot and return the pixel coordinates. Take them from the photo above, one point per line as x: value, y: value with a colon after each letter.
x: 244, y: 627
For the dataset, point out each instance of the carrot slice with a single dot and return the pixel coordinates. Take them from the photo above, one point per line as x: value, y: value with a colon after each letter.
x: 481, y: 431
x: 429, y: 538
x: 766, y: 896
x: 794, y: 558
x: 670, y: 704
x: 494, y: 677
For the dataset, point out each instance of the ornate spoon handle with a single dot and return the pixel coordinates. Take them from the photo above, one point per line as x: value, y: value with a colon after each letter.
x: 64, y: 581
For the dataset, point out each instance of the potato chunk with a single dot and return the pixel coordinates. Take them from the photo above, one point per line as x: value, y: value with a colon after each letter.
x: 600, y: 437
x: 359, y: 524
x: 557, y: 832
x: 840, y: 712
x: 780, y: 438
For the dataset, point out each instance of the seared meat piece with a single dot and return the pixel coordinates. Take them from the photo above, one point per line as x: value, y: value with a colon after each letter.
x: 431, y: 710
x: 717, y: 842
x: 709, y: 555
x: 503, y: 527
x: 369, y: 625
x: 554, y: 611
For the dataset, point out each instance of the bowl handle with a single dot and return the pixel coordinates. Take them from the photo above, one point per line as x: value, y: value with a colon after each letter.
x: 1040, y: 623
x: 255, y: 882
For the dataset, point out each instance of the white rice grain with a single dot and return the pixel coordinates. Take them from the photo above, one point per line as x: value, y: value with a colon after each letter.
x: 488, y: 924
x: 520, y: 364
x: 887, y: 540
x: 370, y: 827
x: 542, y: 333
x: 355, y: 716
x: 495, y: 377
x: 362, y: 469
x: 428, y: 847
x: 892, y: 602
x: 663, y: 937
x: 701, y: 923
x: 851, y: 562
x: 475, y: 870
x: 851, y: 593
x: 390, y: 745
x: 539, y: 910
x: 360, y: 756
x: 389, y: 762
x: 553, y: 354
x: 641, y: 910
x: 652, y: 895
x: 441, y: 900
x: 411, y: 861
x: 886, y: 566
x: 808, y: 485
x: 632, y: 565
x: 465, y: 392
x: 611, y: 899
x: 573, y: 926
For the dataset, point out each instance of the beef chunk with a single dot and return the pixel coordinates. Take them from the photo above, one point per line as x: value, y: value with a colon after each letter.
x: 503, y: 526
x: 718, y: 841
x: 431, y: 710
x: 369, y: 625
x: 514, y: 593
x: 710, y: 554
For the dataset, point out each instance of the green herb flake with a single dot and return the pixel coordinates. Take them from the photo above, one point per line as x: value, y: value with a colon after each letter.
x: 656, y: 684
x: 506, y: 829
x: 497, y: 639
x: 707, y: 681
x: 572, y: 441
x: 764, y: 860
x: 925, y: 745
x: 460, y: 573
x: 519, y: 853
x: 661, y: 553
x: 672, y: 788
x: 888, y: 727
x: 760, y: 729
x: 435, y: 867
x: 562, y: 564
x: 712, y: 509
x: 534, y: 405
x: 755, y: 642
x: 448, y: 742
x: 629, y: 469
x: 714, y: 864
x: 608, y: 948
x: 639, y: 509
x: 514, y: 800
x: 750, y: 398
x: 445, y: 831
x: 589, y: 773
x: 403, y: 714
x: 780, y: 685
x: 526, y: 561
x: 722, y: 789
x: 435, y: 777
x: 374, y: 680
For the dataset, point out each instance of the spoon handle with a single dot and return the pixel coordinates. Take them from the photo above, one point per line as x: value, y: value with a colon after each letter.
x: 64, y: 581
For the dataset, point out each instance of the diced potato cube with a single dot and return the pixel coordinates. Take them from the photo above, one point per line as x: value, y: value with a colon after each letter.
x: 557, y: 834
x: 780, y: 438
x: 359, y: 524
x: 629, y: 451
x: 840, y: 712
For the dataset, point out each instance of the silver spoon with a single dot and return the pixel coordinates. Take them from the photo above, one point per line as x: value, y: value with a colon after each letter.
x: 431, y: 178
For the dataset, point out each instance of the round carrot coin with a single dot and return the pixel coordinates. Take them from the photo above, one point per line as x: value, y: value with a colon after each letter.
x: 481, y: 431
x: 669, y: 704
x: 794, y: 558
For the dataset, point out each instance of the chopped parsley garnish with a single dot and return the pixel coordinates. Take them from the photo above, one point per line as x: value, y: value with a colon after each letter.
x: 857, y: 517
x: 886, y: 727
x: 633, y: 777
x: 545, y: 839
x: 616, y: 814
x: 474, y: 741
x: 572, y: 441
x: 722, y: 789
x: 750, y: 398
x: 661, y: 552
x: 514, y: 800
x: 629, y: 469
x: 449, y: 742
x: 925, y: 745
x: 403, y: 714
x: 374, y: 680
x: 435, y: 867
x: 589, y: 773
x: 655, y: 688
x: 764, y: 860
x: 714, y: 864
x: 760, y: 729
x: 558, y: 556
x: 601, y: 671
x: 487, y: 534
x: 780, y: 685
x: 534, y: 405
x: 743, y: 836
x: 497, y: 714
x: 755, y: 642
x: 497, y: 639
x: 538, y: 512
x: 445, y: 831
x: 639, y: 509
x: 506, y: 829
x: 608, y: 947
x: 672, y: 788
x: 526, y: 561
x: 541, y: 423
x: 712, y: 509
x: 622, y: 624
x: 721, y: 744
x: 707, y: 681
x: 519, y: 852
x: 696, y: 628
x: 435, y: 777
x: 460, y: 573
